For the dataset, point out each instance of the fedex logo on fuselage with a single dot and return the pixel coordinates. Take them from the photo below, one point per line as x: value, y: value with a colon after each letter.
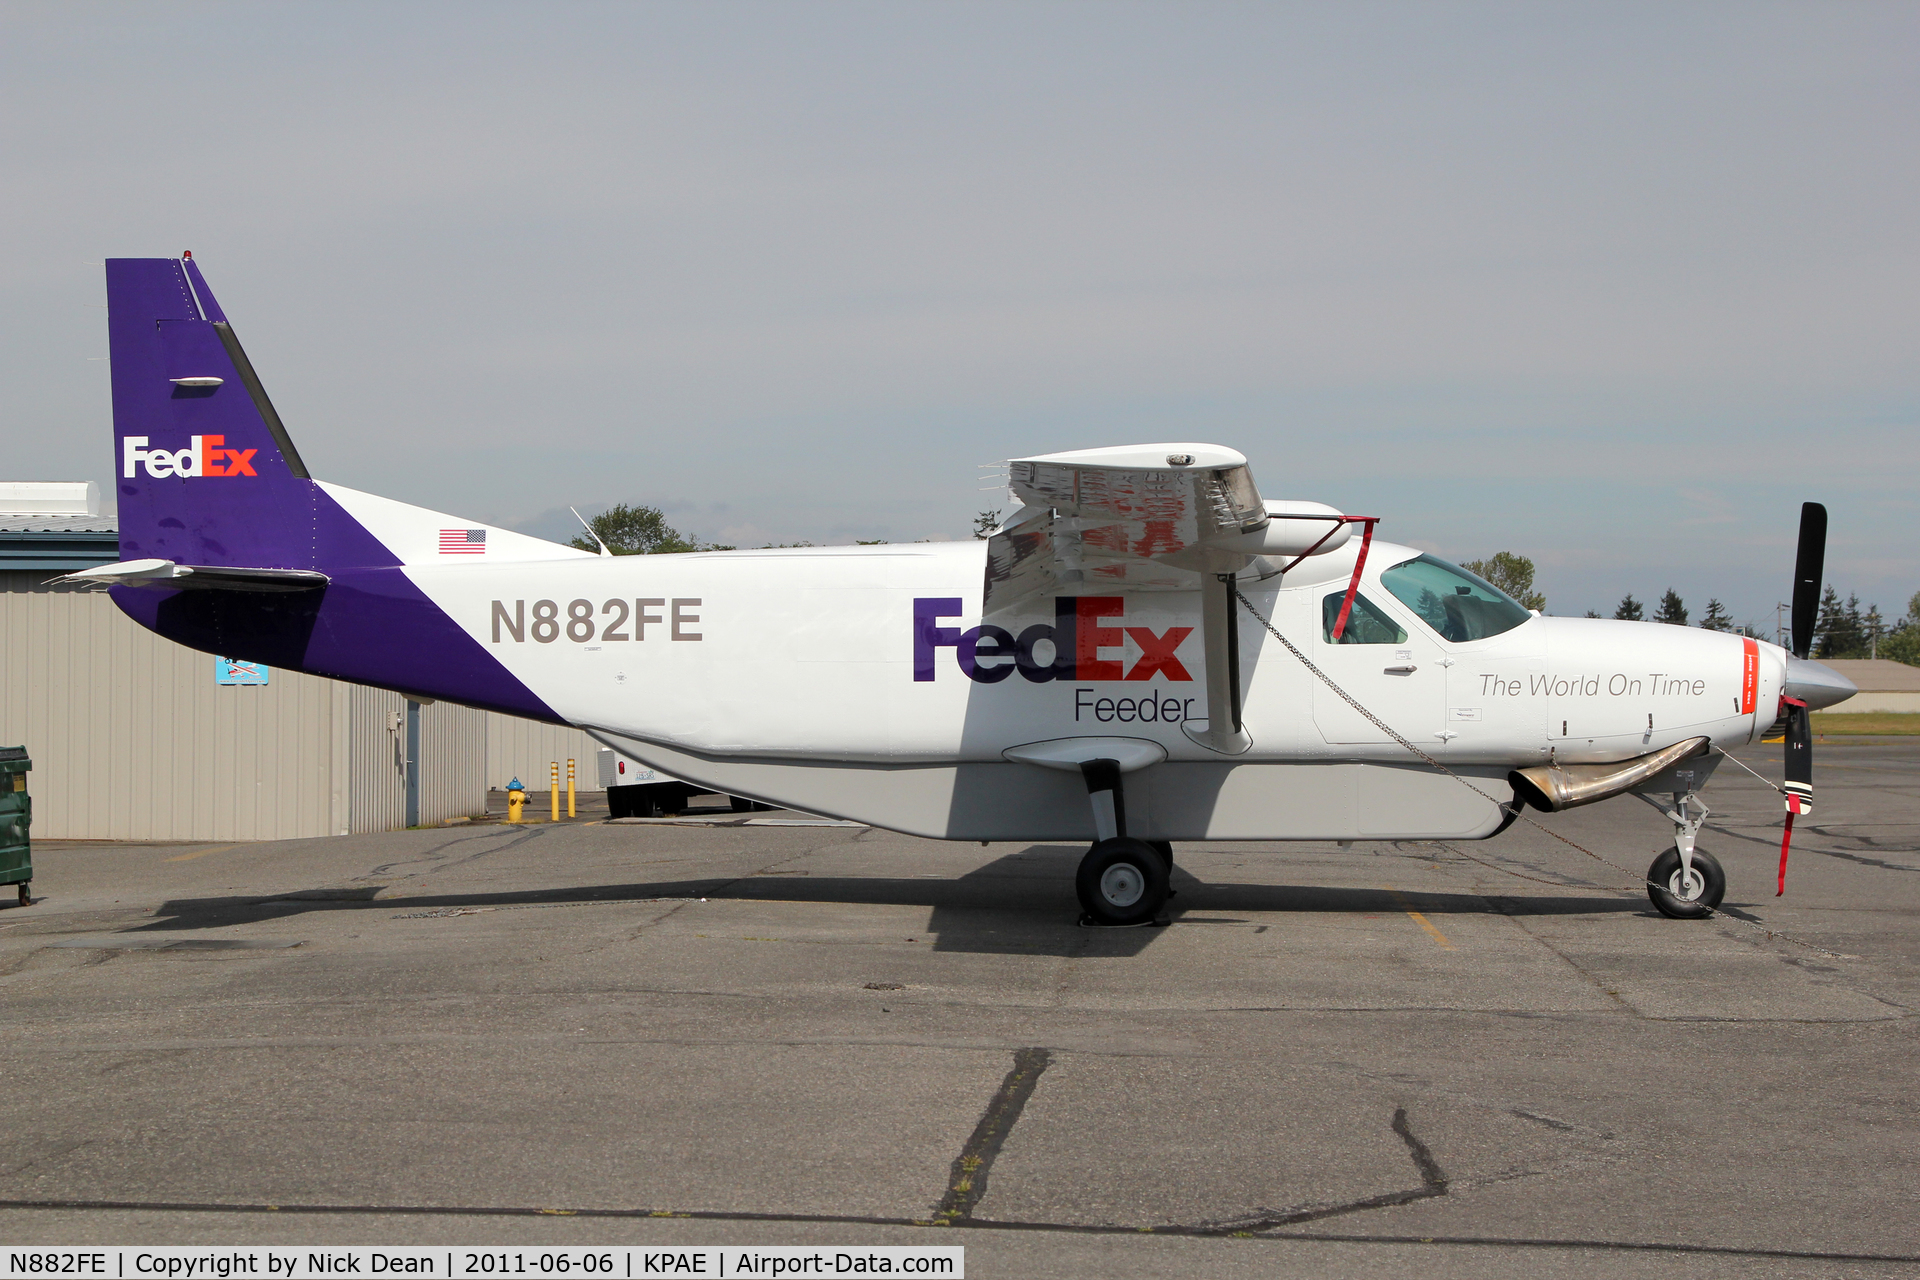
x: 1083, y: 632
x: 205, y: 456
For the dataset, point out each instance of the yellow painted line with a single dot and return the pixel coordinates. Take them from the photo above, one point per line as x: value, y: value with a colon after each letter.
x: 201, y: 853
x: 1420, y: 920
x: 1432, y: 932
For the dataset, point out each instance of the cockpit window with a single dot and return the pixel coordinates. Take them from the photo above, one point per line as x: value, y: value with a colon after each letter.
x: 1457, y: 604
x: 1366, y: 624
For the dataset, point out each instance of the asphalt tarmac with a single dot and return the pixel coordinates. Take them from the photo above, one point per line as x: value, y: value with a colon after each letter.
x: 1392, y: 1060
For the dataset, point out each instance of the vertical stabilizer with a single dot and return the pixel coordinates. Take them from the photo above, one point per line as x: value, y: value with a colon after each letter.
x: 205, y: 470
x: 208, y: 478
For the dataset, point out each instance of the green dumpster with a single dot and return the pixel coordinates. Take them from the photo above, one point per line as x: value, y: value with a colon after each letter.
x: 16, y: 815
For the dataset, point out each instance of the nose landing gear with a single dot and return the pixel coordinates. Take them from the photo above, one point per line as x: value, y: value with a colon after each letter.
x: 1685, y: 882
x: 1686, y: 893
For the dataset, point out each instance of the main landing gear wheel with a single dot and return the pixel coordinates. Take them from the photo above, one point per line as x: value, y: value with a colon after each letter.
x: 1122, y: 881
x: 1697, y: 896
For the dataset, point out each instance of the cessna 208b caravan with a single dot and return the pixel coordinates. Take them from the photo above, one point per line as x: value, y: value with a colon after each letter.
x: 1112, y: 665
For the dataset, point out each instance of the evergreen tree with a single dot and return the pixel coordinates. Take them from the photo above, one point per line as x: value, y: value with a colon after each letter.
x: 1716, y: 618
x: 633, y: 531
x: 1673, y: 610
x: 1592, y: 614
x: 1630, y: 610
x: 985, y: 523
x: 1842, y: 630
x: 1831, y: 619
x: 1873, y: 630
x: 1512, y: 574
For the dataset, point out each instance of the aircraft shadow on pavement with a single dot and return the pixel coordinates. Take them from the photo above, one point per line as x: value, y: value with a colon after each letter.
x: 1019, y: 904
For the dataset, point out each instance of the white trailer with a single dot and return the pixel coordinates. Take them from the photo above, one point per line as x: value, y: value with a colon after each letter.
x: 636, y: 790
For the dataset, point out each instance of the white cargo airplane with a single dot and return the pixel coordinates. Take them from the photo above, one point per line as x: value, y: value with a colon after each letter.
x: 1120, y: 663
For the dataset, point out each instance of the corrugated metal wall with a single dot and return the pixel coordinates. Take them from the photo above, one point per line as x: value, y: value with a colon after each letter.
x: 132, y: 740
x: 526, y: 748
x: 453, y: 762
x: 376, y: 760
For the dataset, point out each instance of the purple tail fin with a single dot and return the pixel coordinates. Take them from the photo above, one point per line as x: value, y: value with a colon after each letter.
x: 208, y: 476
x: 205, y: 470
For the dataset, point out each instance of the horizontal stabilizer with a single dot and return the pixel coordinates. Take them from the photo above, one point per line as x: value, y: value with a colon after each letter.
x: 197, y: 577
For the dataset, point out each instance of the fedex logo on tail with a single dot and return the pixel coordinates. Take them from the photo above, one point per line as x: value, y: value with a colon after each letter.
x: 1084, y: 632
x: 205, y: 456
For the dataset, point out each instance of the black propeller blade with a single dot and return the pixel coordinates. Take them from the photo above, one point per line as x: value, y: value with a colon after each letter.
x: 1809, y: 567
x: 1809, y: 564
x: 1799, y: 759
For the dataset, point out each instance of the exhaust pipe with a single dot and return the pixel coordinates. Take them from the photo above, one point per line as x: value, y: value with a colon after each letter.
x: 1553, y: 787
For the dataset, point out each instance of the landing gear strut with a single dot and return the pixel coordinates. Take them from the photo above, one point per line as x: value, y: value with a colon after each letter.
x: 1685, y: 882
x: 1122, y: 880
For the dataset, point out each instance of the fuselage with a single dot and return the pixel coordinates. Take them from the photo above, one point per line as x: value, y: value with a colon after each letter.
x: 812, y: 653
x: 766, y: 673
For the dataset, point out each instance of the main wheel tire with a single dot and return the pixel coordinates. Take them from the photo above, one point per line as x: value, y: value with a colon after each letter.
x: 1122, y: 881
x: 1690, y: 901
x: 1165, y: 849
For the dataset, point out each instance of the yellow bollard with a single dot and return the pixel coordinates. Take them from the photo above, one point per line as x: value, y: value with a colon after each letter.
x: 516, y: 801
x: 570, y: 812
x: 553, y: 792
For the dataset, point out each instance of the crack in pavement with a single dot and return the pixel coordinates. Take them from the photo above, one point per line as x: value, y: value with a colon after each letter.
x: 968, y: 1184
x: 1433, y: 1183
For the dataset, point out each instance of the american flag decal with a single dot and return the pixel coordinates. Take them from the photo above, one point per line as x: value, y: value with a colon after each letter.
x: 463, y: 542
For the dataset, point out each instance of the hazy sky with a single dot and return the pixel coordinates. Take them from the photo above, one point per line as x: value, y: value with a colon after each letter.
x: 1613, y: 286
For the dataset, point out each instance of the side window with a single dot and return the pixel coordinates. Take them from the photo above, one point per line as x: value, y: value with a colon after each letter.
x: 1366, y: 624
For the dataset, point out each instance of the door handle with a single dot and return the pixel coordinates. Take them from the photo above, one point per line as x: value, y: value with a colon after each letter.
x: 1401, y: 669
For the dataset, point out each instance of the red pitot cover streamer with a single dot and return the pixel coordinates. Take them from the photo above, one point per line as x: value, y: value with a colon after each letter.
x: 1786, y: 842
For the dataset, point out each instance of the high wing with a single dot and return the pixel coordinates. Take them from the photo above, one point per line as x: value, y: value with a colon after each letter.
x: 1166, y: 517
x: 1146, y: 516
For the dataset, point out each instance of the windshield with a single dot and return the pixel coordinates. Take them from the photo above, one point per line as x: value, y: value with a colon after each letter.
x: 1457, y: 604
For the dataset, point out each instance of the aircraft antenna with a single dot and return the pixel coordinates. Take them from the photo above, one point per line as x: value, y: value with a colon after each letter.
x: 591, y: 532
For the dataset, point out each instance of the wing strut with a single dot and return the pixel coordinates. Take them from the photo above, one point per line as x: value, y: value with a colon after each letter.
x: 1220, y: 635
x: 1225, y: 731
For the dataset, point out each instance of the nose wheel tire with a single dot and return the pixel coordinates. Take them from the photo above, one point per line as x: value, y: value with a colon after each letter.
x: 1122, y: 881
x: 1693, y: 898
